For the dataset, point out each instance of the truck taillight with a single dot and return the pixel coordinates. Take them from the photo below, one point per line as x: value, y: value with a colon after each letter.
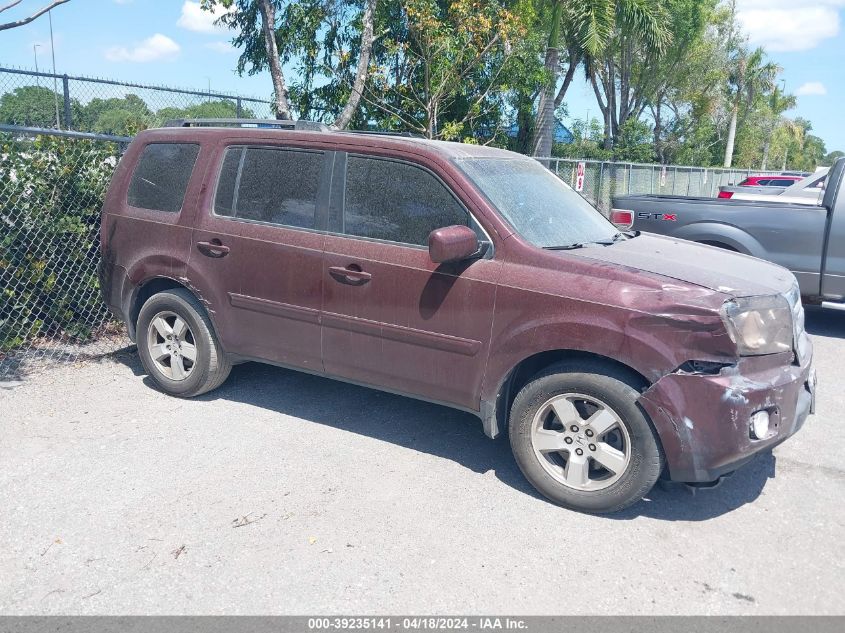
x: 622, y: 219
x: 725, y: 194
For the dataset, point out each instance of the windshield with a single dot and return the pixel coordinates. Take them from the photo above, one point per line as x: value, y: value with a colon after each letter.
x: 538, y: 205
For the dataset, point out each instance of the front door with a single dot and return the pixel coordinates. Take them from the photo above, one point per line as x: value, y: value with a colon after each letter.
x: 391, y: 317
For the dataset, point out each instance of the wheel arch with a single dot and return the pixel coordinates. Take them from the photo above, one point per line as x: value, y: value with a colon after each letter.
x: 723, y: 235
x: 147, y: 289
x: 494, y: 414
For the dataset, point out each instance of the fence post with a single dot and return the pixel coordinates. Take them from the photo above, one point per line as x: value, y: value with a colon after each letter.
x: 239, y: 109
x: 599, y: 194
x: 66, y: 92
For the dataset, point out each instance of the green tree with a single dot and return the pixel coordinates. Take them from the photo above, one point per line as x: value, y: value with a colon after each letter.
x: 121, y: 116
x: 35, y: 106
x: 222, y: 109
x: 274, y: 32
x: 442, y: 72
x: 587, y: 30
x: 750, y: 75
x: 777, y: 103
x: 683, y: 84
x: 831, y: 158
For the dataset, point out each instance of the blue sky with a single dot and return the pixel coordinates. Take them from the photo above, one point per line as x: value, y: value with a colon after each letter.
x: 171, y: 42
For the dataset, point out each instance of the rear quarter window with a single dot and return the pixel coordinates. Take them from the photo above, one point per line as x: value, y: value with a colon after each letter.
x: 161, y: 176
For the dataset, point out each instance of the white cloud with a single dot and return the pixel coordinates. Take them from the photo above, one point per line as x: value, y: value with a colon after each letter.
x: 811, y: 88
x: 789, y: 25
x: 156, y: 48
x: 194, y: 18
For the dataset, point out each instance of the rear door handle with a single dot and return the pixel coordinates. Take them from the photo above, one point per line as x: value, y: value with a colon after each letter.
x: 214, y: 248
x: 350, y: 275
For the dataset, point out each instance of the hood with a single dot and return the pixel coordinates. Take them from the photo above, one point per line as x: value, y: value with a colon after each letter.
x: 706, y: 266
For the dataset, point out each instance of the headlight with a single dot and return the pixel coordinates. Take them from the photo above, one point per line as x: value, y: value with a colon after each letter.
x: 759, y: 325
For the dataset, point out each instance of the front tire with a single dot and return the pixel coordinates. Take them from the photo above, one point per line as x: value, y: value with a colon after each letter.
x: 581, y: 439
x: 178, y: 346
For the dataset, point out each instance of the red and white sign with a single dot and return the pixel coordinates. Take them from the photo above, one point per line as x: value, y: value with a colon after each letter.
x: 579, y: 176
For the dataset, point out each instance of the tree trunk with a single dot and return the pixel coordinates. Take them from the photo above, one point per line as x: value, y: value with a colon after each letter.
x: 268, y: 25
x: 658, y: 131
x: 729, y: 147
x: 766, y: 147
x: 525, y: 122
x: 544, y: 130
x: 363, y: 66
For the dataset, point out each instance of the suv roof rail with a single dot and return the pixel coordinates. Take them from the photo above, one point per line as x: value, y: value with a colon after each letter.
x: 282, y: 124
x: 385, y: 133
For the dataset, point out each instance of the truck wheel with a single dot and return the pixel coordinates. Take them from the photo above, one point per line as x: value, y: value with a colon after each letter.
x: 582, y: 440
x: 178, y: 346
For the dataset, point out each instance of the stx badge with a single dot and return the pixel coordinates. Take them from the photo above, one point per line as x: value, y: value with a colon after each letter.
x: 668, y: 217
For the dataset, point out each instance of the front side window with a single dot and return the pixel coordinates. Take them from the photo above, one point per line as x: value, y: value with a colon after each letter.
x: 273, y: 185
x: 397, y: 202
x: 161, y: 176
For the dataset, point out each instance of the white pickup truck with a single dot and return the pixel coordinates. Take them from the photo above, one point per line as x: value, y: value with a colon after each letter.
x: 810, y: 191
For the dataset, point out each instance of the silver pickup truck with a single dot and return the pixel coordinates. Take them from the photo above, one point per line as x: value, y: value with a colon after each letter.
x: 808, y: 240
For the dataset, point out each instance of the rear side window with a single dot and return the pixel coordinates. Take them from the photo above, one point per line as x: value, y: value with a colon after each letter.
x: 395, y: 201
x: 272, y: 185
x: 161, y: 176
x: 763, y: 183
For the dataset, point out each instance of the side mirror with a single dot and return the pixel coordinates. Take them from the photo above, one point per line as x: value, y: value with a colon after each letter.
x: 452, y: 244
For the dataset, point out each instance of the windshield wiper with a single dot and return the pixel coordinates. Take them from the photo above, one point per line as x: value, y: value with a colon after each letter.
x: 565, y: 247
x: 610, y: 241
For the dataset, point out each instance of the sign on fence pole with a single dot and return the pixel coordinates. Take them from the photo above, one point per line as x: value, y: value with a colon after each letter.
x: 579, y: 176
x: 663, y: 176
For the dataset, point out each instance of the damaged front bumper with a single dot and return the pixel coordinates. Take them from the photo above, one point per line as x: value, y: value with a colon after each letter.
x: 704, y: 420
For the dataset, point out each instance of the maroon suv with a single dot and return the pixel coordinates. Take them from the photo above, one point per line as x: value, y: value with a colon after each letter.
x: 458, y: 274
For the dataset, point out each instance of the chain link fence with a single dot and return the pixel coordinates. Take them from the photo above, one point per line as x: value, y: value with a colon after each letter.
x: 602, y: 181
x: 51, y: 192
x: 106, y: 106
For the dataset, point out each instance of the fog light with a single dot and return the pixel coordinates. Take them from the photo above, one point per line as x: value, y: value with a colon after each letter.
x: 760, y: 425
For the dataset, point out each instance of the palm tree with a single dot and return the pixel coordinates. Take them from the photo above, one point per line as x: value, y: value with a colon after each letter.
x: 586, y: 28
x: 750, y: 75
x: 779, y: 102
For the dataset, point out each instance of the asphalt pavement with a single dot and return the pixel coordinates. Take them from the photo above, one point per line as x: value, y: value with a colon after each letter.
x: 292, y: 494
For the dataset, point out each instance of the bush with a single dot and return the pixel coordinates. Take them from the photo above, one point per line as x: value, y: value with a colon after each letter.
x: 51, y: 193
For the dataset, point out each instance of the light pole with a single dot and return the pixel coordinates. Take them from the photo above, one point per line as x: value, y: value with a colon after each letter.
x: 35, y: 48
x: 55, y: 85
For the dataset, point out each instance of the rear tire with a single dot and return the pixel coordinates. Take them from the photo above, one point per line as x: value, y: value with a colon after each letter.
x: 581, y: 439
x: 178, y: 346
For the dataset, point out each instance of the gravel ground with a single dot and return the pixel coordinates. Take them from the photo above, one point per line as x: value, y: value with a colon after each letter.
x: 291, y: 494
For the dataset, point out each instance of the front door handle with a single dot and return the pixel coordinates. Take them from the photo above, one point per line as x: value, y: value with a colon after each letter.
x: 351, y: 274
x: 214, y: 248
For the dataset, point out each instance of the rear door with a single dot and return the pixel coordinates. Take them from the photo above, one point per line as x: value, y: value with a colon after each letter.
x: 259, y: 248
x: 391, y: 317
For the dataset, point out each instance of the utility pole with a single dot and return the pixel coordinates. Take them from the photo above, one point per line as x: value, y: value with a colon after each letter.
x: 55, y: 85
x: 35, y: 55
